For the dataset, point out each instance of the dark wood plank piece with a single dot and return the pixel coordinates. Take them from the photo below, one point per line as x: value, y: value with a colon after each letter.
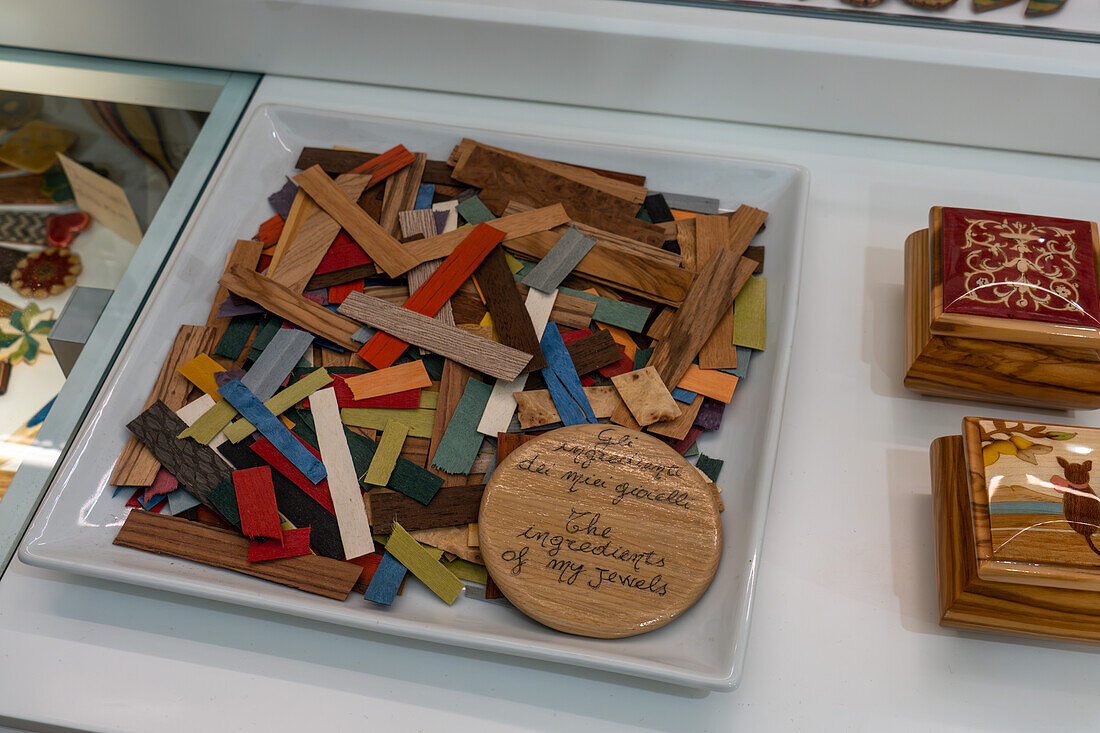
x: 510, y: 319
x: 451, y: 507
x: 178, y: 537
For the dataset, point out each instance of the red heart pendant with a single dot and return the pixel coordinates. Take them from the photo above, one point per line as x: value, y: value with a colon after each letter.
x: 63, y: 228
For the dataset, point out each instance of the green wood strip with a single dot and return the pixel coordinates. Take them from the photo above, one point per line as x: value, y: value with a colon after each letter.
x: 473, y: 211
x: 461, y: 442
x: 749, y: 308
x: 236, y: 336
x: 710, y: 466
x: 211, y: 422
x: 385, y: 456
x: 430, y: 571
x: 619, y: 313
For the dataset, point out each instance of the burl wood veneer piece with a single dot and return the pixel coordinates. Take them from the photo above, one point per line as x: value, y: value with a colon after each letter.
x: 1011, y: 369
x: 609, y: 547
x: 969, y: 601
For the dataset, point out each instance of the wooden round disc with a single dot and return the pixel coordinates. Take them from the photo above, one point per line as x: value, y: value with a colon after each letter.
x: 599, y: 531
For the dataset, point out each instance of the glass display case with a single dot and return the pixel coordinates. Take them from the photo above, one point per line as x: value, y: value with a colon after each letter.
x: 100, y: 163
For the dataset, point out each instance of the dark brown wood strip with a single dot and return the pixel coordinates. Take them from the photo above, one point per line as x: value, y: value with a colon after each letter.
x: 511, y: 321
x: 450, y: 507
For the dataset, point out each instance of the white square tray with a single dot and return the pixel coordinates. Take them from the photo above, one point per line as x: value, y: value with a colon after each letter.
x: 705, y: 648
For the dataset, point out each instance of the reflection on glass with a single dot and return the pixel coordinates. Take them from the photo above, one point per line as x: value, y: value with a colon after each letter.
x: 68, y: 229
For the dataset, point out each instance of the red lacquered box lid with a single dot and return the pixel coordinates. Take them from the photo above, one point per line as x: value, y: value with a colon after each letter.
x: 1035, y: 268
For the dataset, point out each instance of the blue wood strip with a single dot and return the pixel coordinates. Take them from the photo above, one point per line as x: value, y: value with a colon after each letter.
x: 562, y: 380
x: 273, y: 429
x: 424, y: 196
x: 386, y: 581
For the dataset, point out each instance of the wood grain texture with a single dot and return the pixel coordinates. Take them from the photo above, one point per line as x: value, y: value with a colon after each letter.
x: 965, y: 599
x: 989, y: 371
x: 628, y: 190
x: 661, y: 541
x: 711, y: 295
x: 712, y: 233
x: 535, y: 407
x: 178, y: 537
x: 287, y: 304
x: 518, y: 225
x: 489, y: 357
x: 136, y: 465
x: 505, y: 304
x: 337, y: 202
x: 639, y: 272
x: 593, y: 352
x: 304, y: 252
x: 245, y: 253
x: 646, y: 396
x: 300, y: 210
x: 400, y: 193
x: 678, y: 427
x: 451, y: 507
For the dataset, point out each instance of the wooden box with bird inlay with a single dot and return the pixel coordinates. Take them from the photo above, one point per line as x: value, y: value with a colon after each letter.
x: 1017, y: 517
x: 1003, y: 307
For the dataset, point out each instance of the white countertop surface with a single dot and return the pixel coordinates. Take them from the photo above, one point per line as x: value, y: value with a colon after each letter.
x: 844, y: 635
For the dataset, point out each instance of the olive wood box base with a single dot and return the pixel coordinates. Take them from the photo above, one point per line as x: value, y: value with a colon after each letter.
x: 969, y: 602
x: 1032, y: 375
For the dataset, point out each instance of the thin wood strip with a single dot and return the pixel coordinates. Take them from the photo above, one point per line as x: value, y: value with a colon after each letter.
x: 451, y: 507
x: 505, y: 305
x: 376, y: 241
x: 382, y: 348
x: 343, y: 482
x: 245, y: 253
x: 178, y: 537
x: 300, y: 210
x: 489, y: 357
x: 451, y: 384
x: 285, y: 303
x: 341, y: 277
x: 637, y: 272
x: 399, y: 378
x: 308, y: 247
x: 136, y: 465
x: 400, y: 193
x: 518, y: 225
x: 624, y: 189
x: 712, y: 233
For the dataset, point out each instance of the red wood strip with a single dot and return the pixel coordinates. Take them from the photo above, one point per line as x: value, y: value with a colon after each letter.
x: 318, y: 491
x: 383, y: 349
x: 343, y: 254
x: 407, y: 400
x: 295, y: 543
x: 385, y: 164
x: 256, y: 503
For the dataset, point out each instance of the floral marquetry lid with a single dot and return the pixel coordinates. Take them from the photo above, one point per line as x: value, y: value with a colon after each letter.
x: 1035, y: 495
x: 1020, y: 266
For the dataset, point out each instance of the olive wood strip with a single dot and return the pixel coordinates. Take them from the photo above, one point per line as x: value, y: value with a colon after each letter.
x: 489, y: 357
x: 136, y: 465
x: 287, y: 304
x: 209, y: 545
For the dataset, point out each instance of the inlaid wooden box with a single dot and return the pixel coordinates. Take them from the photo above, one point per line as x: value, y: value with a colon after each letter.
x: 1003, y: 307
x: 1018, y: 528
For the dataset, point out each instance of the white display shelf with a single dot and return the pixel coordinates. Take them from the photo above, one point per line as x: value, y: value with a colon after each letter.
x: 844, y: 635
